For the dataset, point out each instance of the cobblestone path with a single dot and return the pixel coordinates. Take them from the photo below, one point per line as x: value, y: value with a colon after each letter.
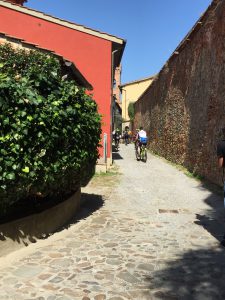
x: 149, y: 232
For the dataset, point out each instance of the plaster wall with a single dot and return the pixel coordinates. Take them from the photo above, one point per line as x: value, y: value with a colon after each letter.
x: 130, y: 93
x: 91, y: 54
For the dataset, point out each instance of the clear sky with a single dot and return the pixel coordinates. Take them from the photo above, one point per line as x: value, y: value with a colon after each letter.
x: 152, y: 28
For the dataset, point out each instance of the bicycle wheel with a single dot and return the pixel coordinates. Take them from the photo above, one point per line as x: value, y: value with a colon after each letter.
x: 144, y: 155
x: 137, y: 153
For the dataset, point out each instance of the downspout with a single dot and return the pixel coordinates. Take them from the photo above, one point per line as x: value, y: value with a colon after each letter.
x: 111, y: 107
x: 125, y: 104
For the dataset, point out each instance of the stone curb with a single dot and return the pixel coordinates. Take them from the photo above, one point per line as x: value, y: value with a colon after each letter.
x: 22, y: 232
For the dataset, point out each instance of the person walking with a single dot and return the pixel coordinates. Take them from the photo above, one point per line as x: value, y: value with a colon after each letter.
x: 126, y: 136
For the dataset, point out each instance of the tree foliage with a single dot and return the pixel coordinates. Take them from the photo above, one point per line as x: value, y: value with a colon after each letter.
x: 131, y: 111
x: 49, y: 127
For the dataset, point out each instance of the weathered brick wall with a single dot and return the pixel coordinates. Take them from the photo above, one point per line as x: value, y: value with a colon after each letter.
x: 184, y: 108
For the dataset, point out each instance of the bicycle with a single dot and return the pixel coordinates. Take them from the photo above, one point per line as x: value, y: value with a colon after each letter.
x: 142, y: 153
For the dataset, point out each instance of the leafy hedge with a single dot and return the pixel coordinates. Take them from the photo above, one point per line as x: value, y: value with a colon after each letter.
x: 49, y: 127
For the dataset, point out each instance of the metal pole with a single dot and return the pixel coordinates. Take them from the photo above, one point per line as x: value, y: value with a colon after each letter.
x: 105, y: 147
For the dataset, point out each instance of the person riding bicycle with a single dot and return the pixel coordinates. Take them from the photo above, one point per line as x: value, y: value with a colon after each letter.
x: 141, y: 138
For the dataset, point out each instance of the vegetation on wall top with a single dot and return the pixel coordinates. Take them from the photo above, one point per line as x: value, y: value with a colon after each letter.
x: 131, y: 111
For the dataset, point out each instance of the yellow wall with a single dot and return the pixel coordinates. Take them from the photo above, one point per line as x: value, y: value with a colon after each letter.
x: 130, y: 93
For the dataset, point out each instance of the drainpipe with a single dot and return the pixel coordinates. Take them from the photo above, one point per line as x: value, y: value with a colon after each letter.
x: 125, y: 105
x: 111, y: 108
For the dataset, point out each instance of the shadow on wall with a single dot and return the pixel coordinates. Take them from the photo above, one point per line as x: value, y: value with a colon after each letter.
x: 193, y: 276
x: 89, y: 204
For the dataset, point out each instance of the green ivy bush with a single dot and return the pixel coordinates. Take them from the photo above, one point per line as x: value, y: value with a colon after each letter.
x: 131, y: 112
x: 49, y: 127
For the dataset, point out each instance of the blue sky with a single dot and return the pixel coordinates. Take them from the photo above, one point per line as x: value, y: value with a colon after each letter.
x: 152, y: 28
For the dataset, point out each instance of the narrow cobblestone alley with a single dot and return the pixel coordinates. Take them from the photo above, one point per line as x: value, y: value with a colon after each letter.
x: 147, y: 232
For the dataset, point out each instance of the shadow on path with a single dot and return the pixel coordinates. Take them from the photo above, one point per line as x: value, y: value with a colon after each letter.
x: 116, y: 156
x: 26, y: 231
x: 213, y: 219
x: 195, y: 275
x: 115, y: 153
x: 89, y: 204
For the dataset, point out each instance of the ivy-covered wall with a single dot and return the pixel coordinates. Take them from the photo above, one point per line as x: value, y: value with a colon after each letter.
x: 184, y: 108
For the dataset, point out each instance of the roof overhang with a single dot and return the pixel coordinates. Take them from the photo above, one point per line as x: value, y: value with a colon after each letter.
x: 80, y: 79
x: 117, y: 50
x: 62, y: 22
x: 136, y: 81
x: 68, y: 66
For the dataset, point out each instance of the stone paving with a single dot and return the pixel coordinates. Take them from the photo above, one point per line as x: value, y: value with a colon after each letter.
x: 149, y: 232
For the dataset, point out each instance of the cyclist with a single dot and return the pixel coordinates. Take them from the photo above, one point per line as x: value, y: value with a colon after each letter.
x: 141, y: 139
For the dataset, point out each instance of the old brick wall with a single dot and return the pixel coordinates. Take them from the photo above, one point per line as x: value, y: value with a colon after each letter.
x: 184, y: 108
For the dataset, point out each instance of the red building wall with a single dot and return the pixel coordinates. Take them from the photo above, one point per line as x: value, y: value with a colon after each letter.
x: 91, y: 54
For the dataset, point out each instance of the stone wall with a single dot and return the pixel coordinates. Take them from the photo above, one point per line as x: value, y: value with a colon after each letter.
x: 184, y: 108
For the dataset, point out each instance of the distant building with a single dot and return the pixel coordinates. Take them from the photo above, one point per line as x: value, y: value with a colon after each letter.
x: 116, y: 84
x: 117, y: 103
x: 131, y: 91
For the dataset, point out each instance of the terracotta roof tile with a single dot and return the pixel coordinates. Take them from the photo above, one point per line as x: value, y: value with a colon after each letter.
x: 65, y: 22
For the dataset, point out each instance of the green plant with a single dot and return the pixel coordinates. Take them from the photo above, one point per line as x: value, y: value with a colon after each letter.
x: 131, y: 111
x: 49, y: 127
